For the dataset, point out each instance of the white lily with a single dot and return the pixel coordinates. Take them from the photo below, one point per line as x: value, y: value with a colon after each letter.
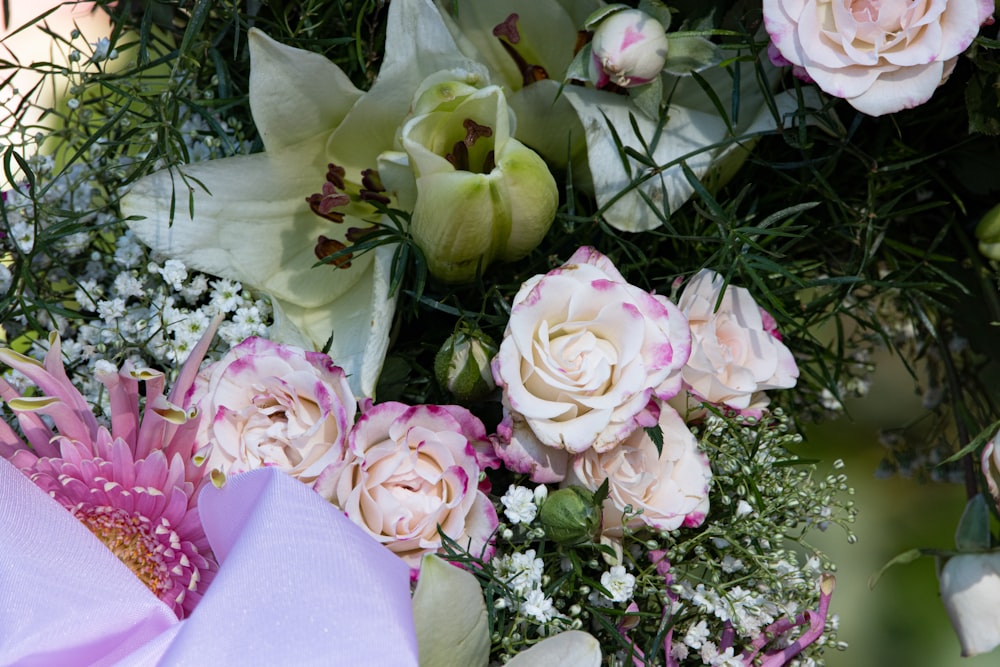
x: 693, y: 131
x: 251, y: 221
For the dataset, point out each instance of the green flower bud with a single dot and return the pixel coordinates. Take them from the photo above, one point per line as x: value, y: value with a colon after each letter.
x: 481, y: 195
x: 570, y: 515
x: 462, y: 365
x: 988, y: 233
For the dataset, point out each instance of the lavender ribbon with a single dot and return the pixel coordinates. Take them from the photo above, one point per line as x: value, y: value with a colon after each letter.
x: 298, y: 584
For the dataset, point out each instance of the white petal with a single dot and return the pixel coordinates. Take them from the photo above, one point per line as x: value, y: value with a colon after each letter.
x: 295, y: 94
x: 450, y: 617
x: 687, y: 133
x: 370, y: 128
x: 253, y: 224
x: 572, y: 648
x: 359, y: 321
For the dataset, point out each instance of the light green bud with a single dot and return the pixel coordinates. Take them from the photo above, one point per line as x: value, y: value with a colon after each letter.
x: 988, y: 233
x: 462, y: 365
x: 481, y: 195
x: 570, y: 515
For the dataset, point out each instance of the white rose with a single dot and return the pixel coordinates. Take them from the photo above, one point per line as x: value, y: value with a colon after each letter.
x: 880, y: 55
x: 735, y: 355
x: 267, y: 404
x: 583, y: 360
x: 669, y: 487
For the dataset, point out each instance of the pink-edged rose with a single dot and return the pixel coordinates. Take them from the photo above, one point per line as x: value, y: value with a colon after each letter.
x: 736, y: 353
x: 267, y: 404
x: 583, y: 361
x: 670, y: 487
x: 408, y: 471
x: 880, y: 55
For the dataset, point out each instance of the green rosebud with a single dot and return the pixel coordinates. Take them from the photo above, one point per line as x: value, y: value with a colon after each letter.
x: 988, y: 233
x: 481, y: 195
x: 462, y: 365
x: 570, y: 515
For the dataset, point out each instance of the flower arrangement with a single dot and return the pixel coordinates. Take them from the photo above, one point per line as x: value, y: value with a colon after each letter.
x: 491, y: 326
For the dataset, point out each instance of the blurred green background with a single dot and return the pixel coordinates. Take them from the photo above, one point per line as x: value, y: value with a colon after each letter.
x: 901, y: 621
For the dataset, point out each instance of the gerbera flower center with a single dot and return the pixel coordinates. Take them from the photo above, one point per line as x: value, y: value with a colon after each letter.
x: 131, y: 539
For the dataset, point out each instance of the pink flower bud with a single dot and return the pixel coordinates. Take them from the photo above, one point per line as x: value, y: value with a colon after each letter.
x: 629, y: 49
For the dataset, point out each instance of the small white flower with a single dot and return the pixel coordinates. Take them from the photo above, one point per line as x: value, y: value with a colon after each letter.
x: 23, y: 234
x: 519, y: 504
x: 619, y: 583
x: 225, y: 295
x: 537, y: 606
x: 128, y: 251
x: 696, y: 635
x: 743, y: 508
x: 730, y: 564
x: 111, y: 310
x: 6, y: 278
x: 174, y: 273
x: 126, y: 285
x: 520, y: 572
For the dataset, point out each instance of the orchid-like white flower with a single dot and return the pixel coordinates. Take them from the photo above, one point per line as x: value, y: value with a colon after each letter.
x: 256, y: 218
x: 530, y: 45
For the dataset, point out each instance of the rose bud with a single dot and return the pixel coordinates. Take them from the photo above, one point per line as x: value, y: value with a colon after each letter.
x: 629, y: 49
x: 462, y: 365
x: 570, y: 515
x: 988, y: 233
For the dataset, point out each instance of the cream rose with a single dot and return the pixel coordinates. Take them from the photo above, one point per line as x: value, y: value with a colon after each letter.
x: 410, y: 471
x: 267, y: 404
x: 880, y: 55
x: 669, y: 488
x: 583, y: 361
x: 735, y: 350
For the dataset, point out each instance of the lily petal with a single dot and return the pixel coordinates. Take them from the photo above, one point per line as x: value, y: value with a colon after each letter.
x: 370, y: 129
x: 295, y: 94
x: 688, y: 132
x: 450, y: 617
x: 572, y: 648
x: 359, y: 321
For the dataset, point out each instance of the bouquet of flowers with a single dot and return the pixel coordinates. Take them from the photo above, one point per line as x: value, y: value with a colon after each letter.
x: 476, y: 332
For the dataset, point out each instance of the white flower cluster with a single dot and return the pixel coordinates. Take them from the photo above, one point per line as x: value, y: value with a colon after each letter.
x: 61, y: 240
x: 522, y: 574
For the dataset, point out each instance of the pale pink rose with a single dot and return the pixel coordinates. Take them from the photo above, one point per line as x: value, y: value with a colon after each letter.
x: 583, y: 362
x: 409, y: 471
x: 267, y: 404
x: 670, y: 488
x: 880, y: 55
x: 736, y: 353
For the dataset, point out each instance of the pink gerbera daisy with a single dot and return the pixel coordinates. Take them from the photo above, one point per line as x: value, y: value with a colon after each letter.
x: 134, y: 486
